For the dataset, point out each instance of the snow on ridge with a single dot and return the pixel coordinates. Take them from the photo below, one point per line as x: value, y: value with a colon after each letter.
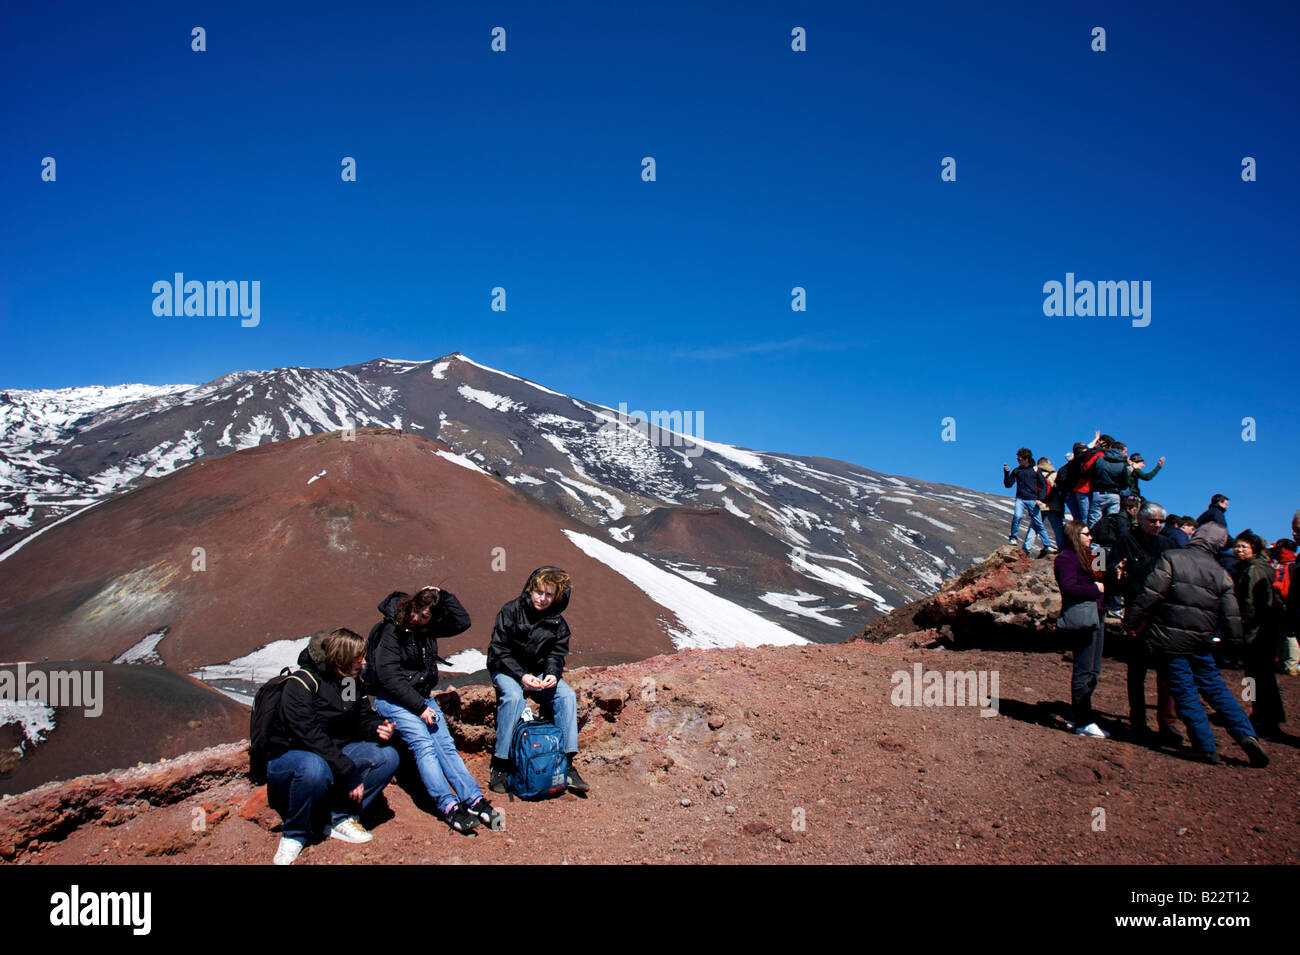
x: 506, y: 374
x: 459, y: 459
x: 258, y: 666
x: 467, y: 661
x: 939, y: 524
x: 146, y: 651
x: 793, y: 603
x: 31, y: 537
x: 488, y: 400
x: 34, y: 718
x: 710, y: 621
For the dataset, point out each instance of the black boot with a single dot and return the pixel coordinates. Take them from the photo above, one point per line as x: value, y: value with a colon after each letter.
x: 574, y: 781
x: 498, y: 775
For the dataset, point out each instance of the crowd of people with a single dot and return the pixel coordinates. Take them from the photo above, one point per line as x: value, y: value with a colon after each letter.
x: 330, y: 750
x: 1185, y: 598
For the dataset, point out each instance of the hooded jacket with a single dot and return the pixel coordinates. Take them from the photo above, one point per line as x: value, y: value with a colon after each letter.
x: 525, y: 640
x: 1108, y: 472
x: 1258, y: 601
x: 323, y: 721
x: 1187, y: 597
x: 404, y: 664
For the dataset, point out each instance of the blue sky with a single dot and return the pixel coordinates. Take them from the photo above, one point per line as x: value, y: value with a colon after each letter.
x: 775, y: 169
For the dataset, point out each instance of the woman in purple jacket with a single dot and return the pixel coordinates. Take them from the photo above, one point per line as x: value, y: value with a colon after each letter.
x: 1079, y: 587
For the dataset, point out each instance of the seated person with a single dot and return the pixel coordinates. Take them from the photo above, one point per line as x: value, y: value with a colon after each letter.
x: 402, y: 676
x: 325, y: 748
x: 529, y: 644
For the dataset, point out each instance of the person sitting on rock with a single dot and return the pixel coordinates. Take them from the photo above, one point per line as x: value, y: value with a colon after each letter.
x: 530, y: 642
x: 403, y: 676
x: 325, y: 747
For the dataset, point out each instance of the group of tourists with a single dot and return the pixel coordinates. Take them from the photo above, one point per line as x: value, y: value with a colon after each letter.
x: 329, y: 740
x: 1179, y: 589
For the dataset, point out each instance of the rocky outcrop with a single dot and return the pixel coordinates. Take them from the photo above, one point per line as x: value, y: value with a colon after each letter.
x: 1007, y: 601
x: 50, y: 812
x: 55, y: 809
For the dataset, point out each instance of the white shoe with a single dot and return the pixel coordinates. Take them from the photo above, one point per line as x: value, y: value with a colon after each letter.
x: 350, y: 830
x: 1093, y: 730
x: 288, y: 851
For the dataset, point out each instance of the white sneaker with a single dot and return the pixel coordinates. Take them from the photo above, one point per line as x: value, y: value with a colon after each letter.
x: 288, y: 851
x: 350, y: 830
x: 1093, y: 730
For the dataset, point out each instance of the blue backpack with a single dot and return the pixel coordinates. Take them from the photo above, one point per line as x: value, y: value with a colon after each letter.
x: 540, y: 766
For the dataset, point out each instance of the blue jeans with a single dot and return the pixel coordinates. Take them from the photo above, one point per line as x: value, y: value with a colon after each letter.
x: 1189, y: 674
x: 1035, y: 513
x: 559, y: 699
x: 1103, y: 503
x: 441, y: 769
x: 303, y: 784
x: 1056, y: 522
x: 1078, y: 503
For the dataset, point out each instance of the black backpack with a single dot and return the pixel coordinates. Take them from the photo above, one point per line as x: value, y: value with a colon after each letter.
x: 1068, y: 477
x: 266, y: 710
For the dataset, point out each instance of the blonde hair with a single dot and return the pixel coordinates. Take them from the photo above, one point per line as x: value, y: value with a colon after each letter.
x: 342, y: 649
x: 552, y: 576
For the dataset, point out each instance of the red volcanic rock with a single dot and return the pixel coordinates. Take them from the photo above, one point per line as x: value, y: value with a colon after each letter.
x: 1006, y: 600
x: 285, y: 539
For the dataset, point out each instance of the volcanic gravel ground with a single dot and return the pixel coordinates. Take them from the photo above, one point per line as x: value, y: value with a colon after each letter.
x: 796, y: 754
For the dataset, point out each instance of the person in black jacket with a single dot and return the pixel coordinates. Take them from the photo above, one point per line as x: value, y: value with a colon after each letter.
x: 530, y: 642
x: 1261, y: 627
x: 1139, y: 551
x: 1183, y: 601
x: 403, y: 676
x: 324, y: 749
x: 1109, y: 476
x: 1030, y: 489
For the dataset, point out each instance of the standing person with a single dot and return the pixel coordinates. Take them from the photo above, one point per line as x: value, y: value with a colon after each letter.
x: 1217, y: 512
x: 403, y: 676
x: 1261, y: 626
x: 1184, y: 600
x: 1114, y: 534
x: 1030, y: 489
x: 1288, y: 648
x: 1136, y: 474
x: 1053, y: 506
x: 1074, y: 481
x: 530, y: 642
x: 1108, y: 479
x: 1179, y: 529
x: 1142, y: 549
x: 1081, y: 599
x: 324, y: 749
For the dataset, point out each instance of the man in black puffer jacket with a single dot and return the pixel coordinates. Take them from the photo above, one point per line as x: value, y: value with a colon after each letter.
x: 530, y: 642
x: 1184, y: 600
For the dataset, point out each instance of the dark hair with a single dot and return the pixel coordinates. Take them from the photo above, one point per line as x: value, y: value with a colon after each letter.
x: 1024, y: 454
x: 1080, y: 448
x: 1218, y: 500
x: 1105, y: 441
x: 1073, y: 532
x: 1254, y: 540
x: 1284, y: 544
x: 421, y: 600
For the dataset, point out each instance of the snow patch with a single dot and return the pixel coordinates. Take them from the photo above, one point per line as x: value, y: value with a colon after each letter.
x: 710, y: 621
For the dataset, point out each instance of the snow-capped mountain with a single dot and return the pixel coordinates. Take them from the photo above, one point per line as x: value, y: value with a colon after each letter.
x: 818, y: 544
